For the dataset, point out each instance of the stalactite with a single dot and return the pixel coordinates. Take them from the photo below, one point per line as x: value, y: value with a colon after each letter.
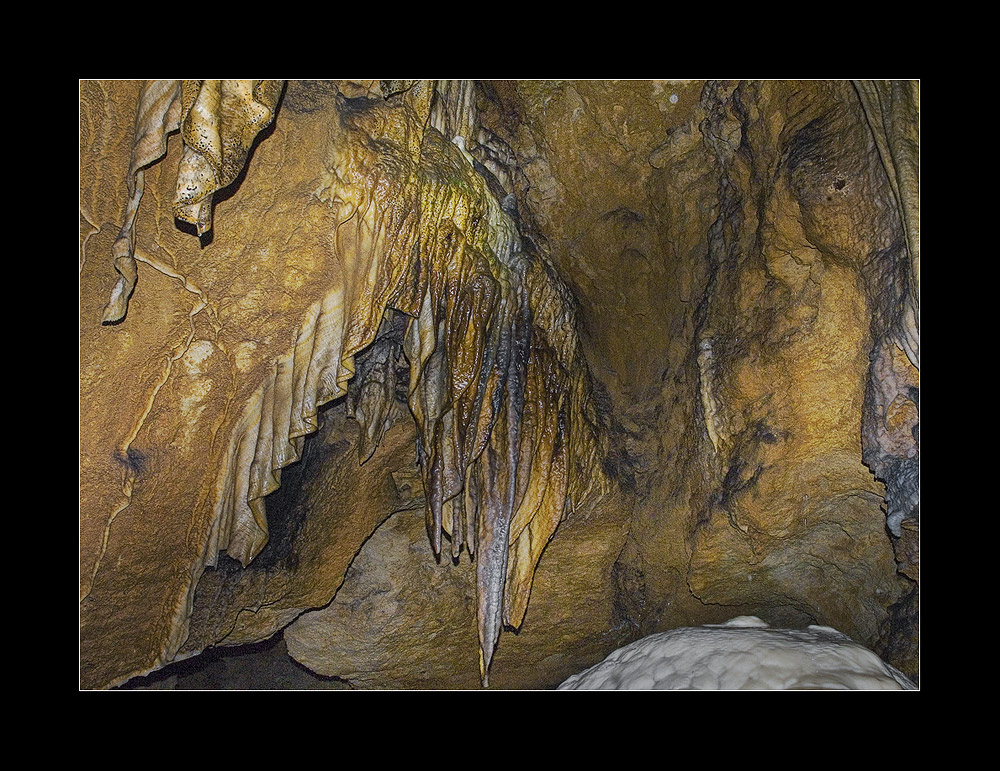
x: 219, y: 120
x: 158, y: 114
x: 372, y: 402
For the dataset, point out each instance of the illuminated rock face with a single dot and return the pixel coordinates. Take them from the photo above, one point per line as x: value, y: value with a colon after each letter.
x: 682, y: 313
x: 784, y: 371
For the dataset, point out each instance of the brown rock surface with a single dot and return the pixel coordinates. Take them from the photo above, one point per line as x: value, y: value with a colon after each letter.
x: 402, y: 620
x: 161, y: 392
x: 316, y: 528
x: 741, y: 260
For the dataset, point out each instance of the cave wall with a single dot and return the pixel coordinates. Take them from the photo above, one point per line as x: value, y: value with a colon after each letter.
x: 740, y: 260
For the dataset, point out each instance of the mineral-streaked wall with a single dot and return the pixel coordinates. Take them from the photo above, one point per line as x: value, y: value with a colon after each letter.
x: 743, y: 274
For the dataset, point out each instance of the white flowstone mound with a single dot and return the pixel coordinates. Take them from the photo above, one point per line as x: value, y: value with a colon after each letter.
x: 742, y: 654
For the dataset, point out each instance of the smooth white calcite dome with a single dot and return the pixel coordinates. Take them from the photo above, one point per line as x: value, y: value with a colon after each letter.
x: 744, y: 653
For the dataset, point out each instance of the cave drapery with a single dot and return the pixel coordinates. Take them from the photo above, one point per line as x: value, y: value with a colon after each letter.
x: 398, y: 231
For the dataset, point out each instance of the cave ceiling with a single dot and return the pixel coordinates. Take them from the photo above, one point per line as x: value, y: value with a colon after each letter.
x: 467, y: 383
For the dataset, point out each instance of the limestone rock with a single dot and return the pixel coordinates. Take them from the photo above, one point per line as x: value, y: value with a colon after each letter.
x: 402, y: 620
x: 163, y: 392
x: 316, y: 528
x: 771, y: 498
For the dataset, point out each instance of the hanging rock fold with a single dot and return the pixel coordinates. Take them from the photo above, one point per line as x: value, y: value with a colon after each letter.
x: 219, y: 121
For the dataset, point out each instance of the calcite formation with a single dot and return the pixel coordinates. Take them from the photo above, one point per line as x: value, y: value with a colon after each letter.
x: 219, y: 120
x: 743, y: 654
x: 685, y: 312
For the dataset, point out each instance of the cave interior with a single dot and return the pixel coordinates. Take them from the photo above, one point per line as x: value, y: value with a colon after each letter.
x: 455, y: 384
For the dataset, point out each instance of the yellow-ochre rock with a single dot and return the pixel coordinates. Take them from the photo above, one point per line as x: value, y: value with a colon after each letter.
x: 392, y: 366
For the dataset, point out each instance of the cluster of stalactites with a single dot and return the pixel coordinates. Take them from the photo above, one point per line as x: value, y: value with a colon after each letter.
x: 507, y: 435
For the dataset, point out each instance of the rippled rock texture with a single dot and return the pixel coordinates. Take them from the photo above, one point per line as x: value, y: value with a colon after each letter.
x: 585, y: 360
x: 742, y: 654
